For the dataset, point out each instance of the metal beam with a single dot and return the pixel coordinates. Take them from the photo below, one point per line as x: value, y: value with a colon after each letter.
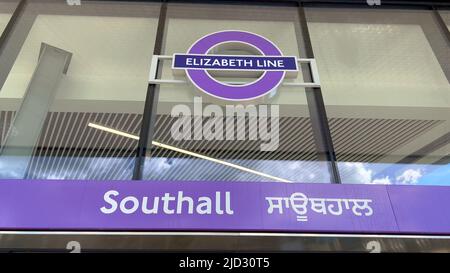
x: 317, y: 111
x: 151, y: 101
x: 13, y: 37
x: 29, y: 119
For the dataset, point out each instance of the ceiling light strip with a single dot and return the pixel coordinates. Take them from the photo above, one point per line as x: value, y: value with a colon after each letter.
x: 172, y: 148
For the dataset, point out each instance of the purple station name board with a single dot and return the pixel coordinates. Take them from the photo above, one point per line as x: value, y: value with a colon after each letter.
x: 235, y: 63
x: 223, y: 206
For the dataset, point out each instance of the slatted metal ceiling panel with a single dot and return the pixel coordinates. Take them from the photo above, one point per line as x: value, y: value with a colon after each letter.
x: 67, y: 146
x: 368, y: 140
x: 296, y: 143
x: 72, y: 143
x: 295, y: 134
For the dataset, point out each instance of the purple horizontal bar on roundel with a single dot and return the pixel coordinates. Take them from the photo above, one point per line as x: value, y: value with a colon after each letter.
x: 237, y: 62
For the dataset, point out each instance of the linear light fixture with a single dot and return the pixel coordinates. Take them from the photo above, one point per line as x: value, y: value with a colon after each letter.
x: 169, y: 147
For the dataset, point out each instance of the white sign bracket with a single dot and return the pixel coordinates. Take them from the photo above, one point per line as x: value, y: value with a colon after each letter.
x: 153, y: 77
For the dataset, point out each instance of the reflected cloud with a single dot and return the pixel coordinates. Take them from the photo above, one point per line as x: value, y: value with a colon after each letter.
x: 185, y: 169
x: 355, y: 173
x: 389, y: 173
x: 409, y: 176
x: 382, y: 181
x: 12, y: 167
x: 61, y: 168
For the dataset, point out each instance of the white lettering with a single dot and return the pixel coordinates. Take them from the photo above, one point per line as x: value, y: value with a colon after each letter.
x: 298, y: 203
x: 123, y: 205
x: 166, y: 200
x: 154, y: 210
x: 182, y: 199
x: 171, y: 204
x: 110, y: 201
x: 204, y: 206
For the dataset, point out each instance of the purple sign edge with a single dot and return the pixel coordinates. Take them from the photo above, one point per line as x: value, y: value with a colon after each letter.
x: 415, y: 209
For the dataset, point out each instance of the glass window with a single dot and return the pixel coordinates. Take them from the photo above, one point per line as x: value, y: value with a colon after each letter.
x: 445, y: 14
x: 80, y: 71
x: 6, y: 10
x: 385, y: 81
x: 287, y: 153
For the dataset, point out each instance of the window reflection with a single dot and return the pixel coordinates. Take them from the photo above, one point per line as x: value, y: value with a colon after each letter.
x: 296, y: 151
x: 188, y: 169
x: 394, y: 174
x: 6, y: 10
x: 111, y: 46
x: 445, y: 14
x: 385, y: 81
x: 67, y: 167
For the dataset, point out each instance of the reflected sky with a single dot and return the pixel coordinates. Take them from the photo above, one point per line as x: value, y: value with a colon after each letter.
x: 60, y: 168
x: 399, y: 174
x: 198, y: 169
x: 179, y: 169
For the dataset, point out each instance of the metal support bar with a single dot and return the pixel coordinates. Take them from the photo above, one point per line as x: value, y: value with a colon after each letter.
x: 317, y: 112
x: 13, y: 37
x: 151, y: 101
x: 29, y: 119
x: 442, y: 24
